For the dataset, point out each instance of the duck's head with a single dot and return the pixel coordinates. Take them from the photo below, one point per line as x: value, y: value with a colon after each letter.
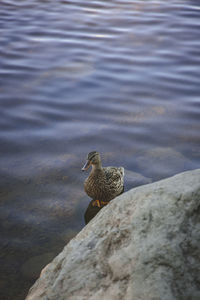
x: 93, y: 159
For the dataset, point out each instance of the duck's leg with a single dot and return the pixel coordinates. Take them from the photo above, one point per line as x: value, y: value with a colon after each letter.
x: 96, y: 203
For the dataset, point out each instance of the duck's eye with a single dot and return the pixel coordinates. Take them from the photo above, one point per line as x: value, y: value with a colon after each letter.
x: 90, y: 158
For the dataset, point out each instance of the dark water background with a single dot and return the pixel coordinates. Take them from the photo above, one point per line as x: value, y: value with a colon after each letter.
x: 120, y: 77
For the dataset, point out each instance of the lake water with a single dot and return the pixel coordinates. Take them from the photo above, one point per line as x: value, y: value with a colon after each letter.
x: 120, y: 77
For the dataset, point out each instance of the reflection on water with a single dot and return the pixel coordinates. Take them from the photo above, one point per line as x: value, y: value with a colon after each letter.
x: 91, y: 211
x: 120, y: 77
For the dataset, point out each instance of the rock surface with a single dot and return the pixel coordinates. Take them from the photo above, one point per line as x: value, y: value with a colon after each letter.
x: 144, y: 245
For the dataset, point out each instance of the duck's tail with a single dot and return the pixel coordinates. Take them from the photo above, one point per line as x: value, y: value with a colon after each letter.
x: 121, y: 169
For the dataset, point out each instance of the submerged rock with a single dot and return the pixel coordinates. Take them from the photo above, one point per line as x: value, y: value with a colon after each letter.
x: 162, y: 162
x: 144, y: 245
x: 133, y: 179
x: 32, y: 267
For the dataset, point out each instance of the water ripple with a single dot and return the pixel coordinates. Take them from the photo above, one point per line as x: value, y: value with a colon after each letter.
x: 121, y: 77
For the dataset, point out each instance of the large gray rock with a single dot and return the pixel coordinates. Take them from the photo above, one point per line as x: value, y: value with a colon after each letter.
x: 144, y: 245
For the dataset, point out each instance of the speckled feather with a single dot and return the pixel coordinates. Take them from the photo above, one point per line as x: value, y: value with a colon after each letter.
x: 105, y: 184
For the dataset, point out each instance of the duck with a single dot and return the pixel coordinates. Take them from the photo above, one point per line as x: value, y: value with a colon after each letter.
x: 103, y: 183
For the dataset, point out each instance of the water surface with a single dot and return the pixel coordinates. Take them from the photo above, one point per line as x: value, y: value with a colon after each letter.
x: 120, y: 77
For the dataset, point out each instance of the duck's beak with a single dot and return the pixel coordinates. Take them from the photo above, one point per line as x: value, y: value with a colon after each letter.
x: 86, y: 166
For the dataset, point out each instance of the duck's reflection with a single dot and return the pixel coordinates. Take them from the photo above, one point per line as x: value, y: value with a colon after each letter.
x: 92, y: 210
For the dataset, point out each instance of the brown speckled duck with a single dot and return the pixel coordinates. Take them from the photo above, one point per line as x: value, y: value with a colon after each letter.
x: 103, y: 184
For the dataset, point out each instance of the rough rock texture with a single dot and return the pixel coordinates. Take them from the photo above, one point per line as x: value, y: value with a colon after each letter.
x: 144, y: 245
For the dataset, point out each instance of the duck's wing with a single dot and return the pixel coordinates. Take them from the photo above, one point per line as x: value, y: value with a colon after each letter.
x: 115, y: 179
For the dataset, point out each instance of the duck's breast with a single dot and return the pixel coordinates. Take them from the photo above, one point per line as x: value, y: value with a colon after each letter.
x: 95, y: 186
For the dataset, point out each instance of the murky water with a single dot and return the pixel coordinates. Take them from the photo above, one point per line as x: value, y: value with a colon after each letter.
x: 120, y: 77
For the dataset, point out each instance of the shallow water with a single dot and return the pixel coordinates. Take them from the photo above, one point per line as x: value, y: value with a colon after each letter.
x: 120, y: 77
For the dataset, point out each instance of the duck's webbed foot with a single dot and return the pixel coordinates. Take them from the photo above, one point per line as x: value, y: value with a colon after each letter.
x: 99, y: 203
